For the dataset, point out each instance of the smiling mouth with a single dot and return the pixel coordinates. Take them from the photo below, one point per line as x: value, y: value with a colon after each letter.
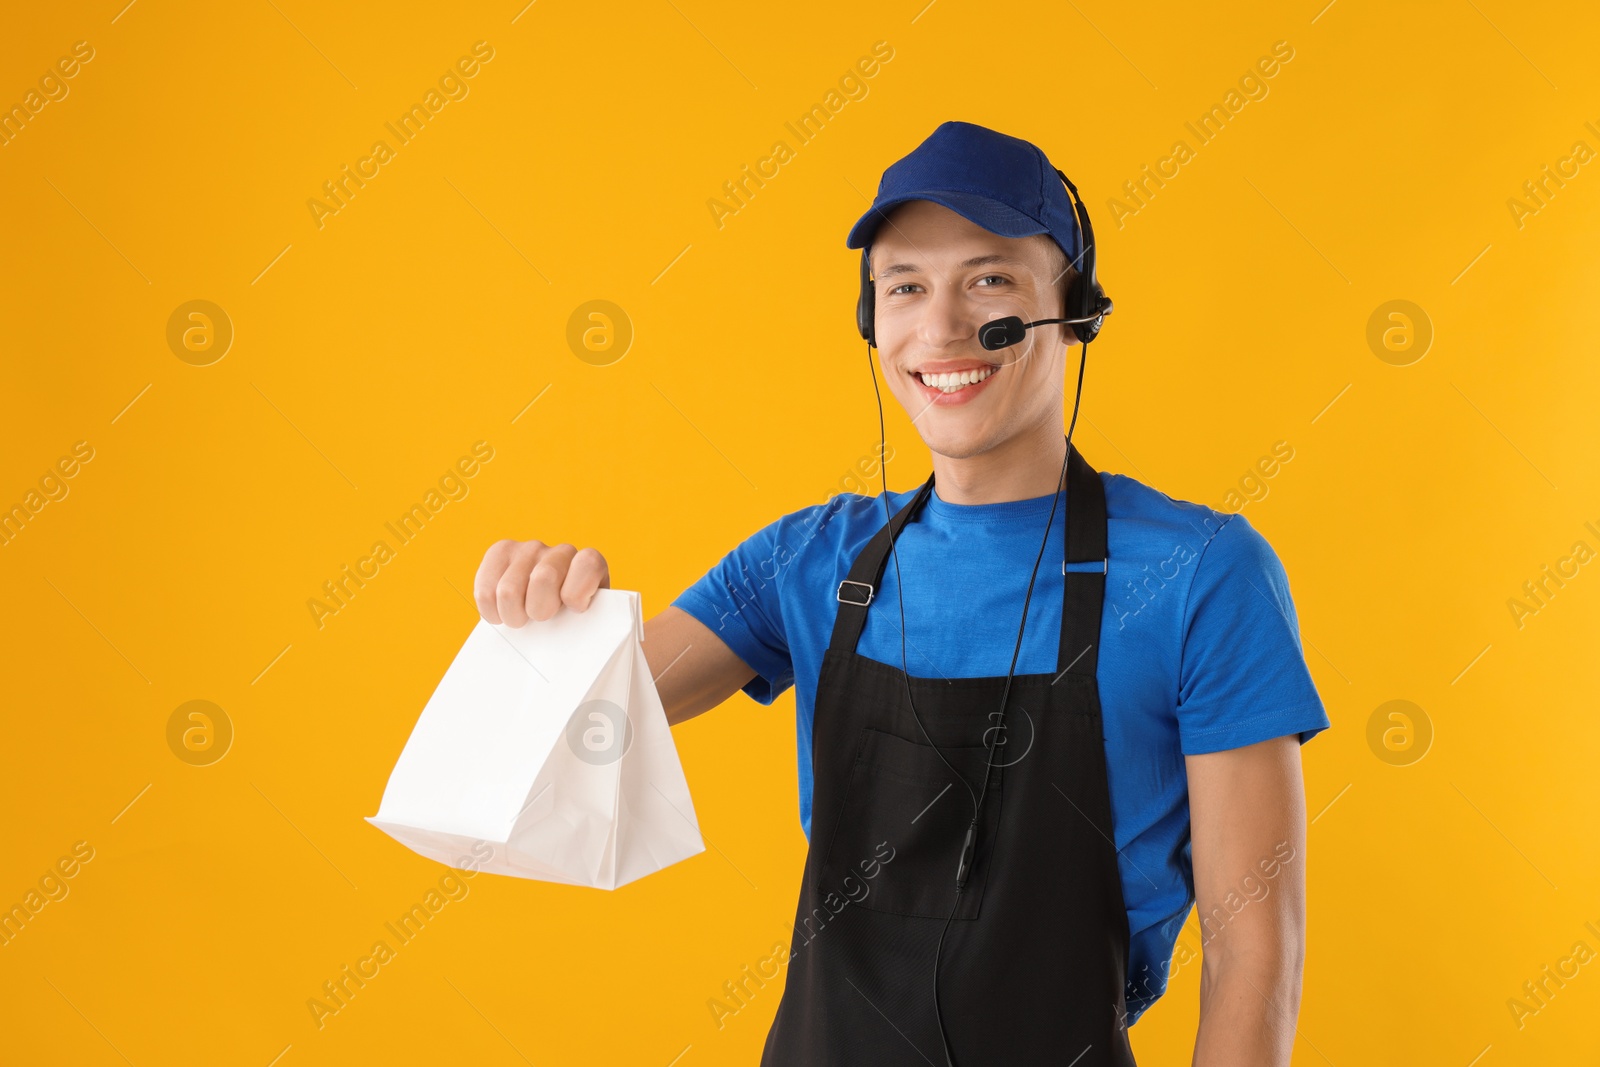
x: 956, y: 381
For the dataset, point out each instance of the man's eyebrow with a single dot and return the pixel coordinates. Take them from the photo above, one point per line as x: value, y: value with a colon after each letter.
x: 975, y: 261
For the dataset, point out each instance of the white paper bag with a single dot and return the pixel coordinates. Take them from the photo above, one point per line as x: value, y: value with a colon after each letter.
x: 549, y: 744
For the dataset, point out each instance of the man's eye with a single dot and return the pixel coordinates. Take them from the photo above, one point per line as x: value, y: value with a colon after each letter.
x: 996, y: 277
x: 904, y: 285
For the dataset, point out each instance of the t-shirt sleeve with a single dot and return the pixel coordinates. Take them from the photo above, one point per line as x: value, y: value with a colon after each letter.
x: 1243, y: 676
x: 738, y: 601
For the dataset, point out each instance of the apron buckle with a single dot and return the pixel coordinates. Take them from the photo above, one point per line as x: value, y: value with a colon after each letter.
x: 865, y: 585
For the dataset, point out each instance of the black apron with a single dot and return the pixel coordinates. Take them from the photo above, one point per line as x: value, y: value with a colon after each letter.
x: 1034, y: 963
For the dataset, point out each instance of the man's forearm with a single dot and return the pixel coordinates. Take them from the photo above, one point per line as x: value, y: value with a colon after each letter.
x: 1247, y: 1013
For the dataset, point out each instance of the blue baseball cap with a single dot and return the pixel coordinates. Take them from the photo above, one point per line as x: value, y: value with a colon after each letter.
x: 1004, y: 184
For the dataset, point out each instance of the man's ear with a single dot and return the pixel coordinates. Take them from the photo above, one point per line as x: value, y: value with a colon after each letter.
x: 1068, y: 336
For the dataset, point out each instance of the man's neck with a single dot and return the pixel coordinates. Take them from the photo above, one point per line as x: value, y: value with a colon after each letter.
x: 1027, y: 466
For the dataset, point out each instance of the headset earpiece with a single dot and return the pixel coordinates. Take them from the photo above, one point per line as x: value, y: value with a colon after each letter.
x: 1085, y: 297
x: 866, y: 303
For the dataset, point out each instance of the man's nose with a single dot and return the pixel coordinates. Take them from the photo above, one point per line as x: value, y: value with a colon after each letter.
x: 947, y: 319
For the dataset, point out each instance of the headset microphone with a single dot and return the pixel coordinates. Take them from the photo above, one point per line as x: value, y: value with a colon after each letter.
x: 1002, y: 333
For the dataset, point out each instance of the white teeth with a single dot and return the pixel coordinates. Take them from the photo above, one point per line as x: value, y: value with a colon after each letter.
x: 950, y: 383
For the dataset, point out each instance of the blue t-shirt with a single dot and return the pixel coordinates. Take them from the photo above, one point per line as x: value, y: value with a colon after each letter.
x: 1199, y: 652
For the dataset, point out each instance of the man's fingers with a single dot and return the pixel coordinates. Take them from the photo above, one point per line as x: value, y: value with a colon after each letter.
x: 511, y: 591
x: 519, y: 581
x: 587, y: 573
x: 488, y: 576
x: 545, y: 581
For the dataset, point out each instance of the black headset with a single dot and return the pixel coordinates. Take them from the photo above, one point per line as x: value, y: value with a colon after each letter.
x: 1086, y: 303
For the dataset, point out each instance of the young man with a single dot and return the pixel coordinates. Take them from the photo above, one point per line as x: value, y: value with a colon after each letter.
x: 1016, y: 777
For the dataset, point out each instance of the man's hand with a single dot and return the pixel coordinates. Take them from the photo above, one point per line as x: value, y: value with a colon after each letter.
x: 522, y: 580
x: 1247, y: 821
x: 694, y: 669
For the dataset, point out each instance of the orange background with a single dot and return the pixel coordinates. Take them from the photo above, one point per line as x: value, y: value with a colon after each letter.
x: 432, y: 310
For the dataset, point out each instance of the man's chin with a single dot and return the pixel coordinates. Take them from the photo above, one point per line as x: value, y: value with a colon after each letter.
x: 957, y: 441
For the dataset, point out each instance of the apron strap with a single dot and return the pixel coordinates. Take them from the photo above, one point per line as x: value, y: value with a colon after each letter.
x: 1084, y: 570
x: 858, y: 590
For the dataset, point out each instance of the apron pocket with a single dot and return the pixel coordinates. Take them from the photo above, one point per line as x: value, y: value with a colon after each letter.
x: 901, y: 823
